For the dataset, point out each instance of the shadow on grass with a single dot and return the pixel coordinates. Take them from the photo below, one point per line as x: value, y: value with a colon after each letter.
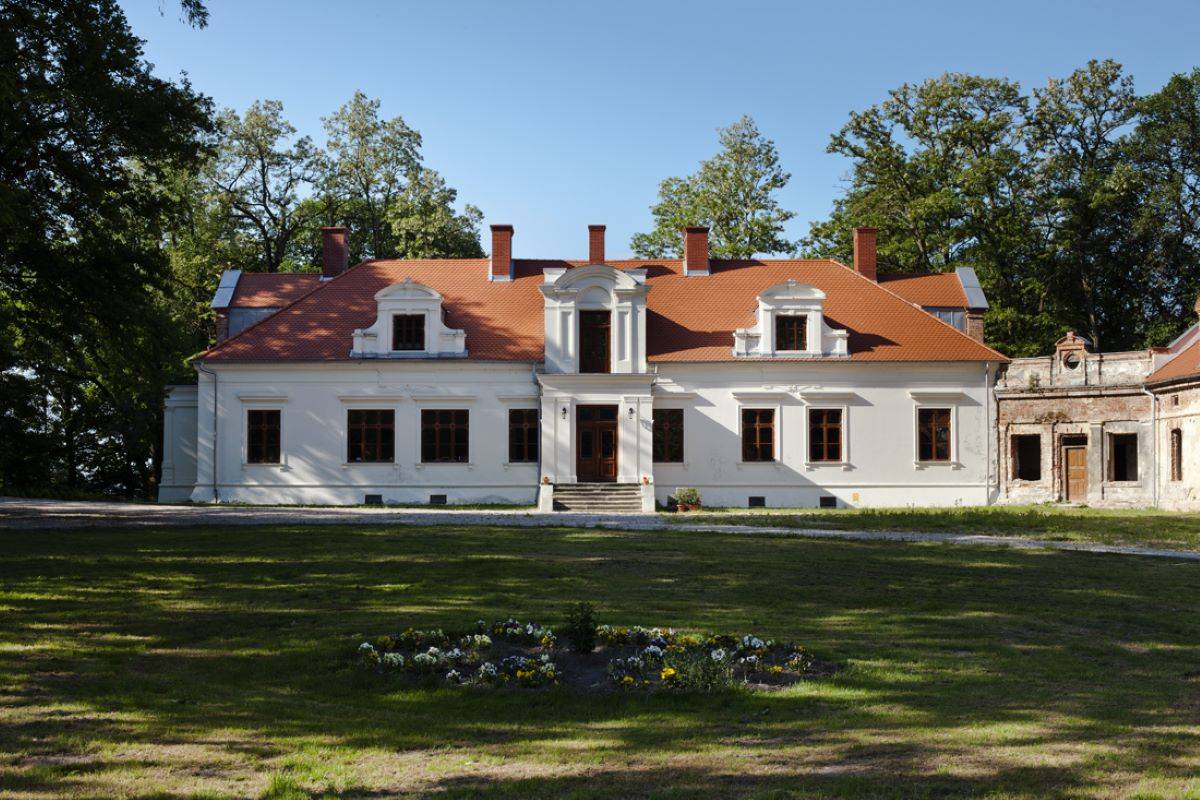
x: 223, y: 654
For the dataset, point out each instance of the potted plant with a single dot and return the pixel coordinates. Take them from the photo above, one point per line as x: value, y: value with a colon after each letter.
x: 687, y: 499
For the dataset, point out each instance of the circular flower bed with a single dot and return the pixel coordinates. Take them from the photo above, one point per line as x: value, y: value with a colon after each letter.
x: 528, y: 655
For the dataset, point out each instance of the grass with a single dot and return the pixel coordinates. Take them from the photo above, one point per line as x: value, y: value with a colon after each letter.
x: 209, y: 662
x: 1137, y: 527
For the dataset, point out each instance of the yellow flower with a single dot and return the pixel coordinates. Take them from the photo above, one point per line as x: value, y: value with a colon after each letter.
x: 667, y: 673
x: 627, y: 680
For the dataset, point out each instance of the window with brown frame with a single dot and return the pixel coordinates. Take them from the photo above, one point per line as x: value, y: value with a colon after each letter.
x: 523, y: 433
x: 825, y: 434
x: 408, y: 332
x: 791, y: 332
x: 668, y: 435
x: 262, y: 436
x: 370, y: 436
x: 933, y: 434
x: 444, y: 435
x: 595, y: 336
x: 1176, y: 454
x: 758, y: 434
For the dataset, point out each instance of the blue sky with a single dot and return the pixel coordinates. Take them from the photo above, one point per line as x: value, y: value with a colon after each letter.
x: 551, y: 116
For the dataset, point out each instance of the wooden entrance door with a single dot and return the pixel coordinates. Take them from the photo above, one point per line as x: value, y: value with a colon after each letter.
x: 596, y: 444
x: 1075, y: 473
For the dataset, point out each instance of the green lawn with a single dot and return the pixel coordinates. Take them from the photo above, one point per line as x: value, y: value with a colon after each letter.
x: 208, y: 663
x: 1138, y: 527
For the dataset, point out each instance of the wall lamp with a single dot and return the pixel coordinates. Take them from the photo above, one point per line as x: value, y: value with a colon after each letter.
x: 564, y: 412
x: 631, y: 412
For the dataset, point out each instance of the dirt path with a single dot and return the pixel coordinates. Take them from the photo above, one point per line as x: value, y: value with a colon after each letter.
x: 26, y: 514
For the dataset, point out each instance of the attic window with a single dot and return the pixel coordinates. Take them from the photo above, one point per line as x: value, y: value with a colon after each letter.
x: 791, y: 332
x: 1070, y: 361
x: 408, y: 332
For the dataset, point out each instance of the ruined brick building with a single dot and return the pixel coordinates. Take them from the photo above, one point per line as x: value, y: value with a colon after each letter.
x: 1102, y: 429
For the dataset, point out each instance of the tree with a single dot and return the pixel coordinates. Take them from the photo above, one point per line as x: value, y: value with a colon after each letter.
x: 87, y: 138
x: 733, y: 193
x: 1164, y: 151
x: 941, y: 169
x: 425, y: 224
x: 262, y: 175
x: 367, y: 166
x: 1088, y: 208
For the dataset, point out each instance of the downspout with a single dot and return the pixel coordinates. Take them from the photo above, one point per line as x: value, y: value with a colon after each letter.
x: 200, y: 367
x: 1153, y: 443
x: 987, y: 439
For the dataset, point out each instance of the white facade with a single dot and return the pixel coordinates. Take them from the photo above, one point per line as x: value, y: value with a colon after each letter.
x: 879, y: 465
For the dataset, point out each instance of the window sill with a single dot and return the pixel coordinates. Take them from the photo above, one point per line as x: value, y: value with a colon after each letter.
x: 680, y: 464
x: 349, y: 464
x: 844, y: 466
x: 279, y: 465
x: 435, y: 464
x: 938, y: 464
x: 519, y: 464
x: 771, y: 463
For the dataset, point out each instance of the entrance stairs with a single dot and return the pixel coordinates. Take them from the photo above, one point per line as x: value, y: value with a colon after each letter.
x: 598, y: 498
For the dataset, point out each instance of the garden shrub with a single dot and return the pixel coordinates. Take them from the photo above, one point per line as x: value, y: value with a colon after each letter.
x: 581, y: 628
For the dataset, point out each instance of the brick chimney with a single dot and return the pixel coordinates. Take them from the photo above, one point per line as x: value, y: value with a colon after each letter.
x: 502, y: 261
x: 595, y: 244
x: 695, y: 250
x: 335, y: 252
x: 864, y: 252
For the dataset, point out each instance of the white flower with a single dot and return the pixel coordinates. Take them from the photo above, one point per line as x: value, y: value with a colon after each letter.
x: 424, y: 660
x: 488, y: 669
x: 393, y: 661
x: 366, y: 647
x: 653, y: 651
x: 751, y: 660
x: 718, y: 654
x: 752, y: 642
x: 453, y: 676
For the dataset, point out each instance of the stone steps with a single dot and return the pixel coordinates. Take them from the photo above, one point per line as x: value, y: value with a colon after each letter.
x: 598, y: 498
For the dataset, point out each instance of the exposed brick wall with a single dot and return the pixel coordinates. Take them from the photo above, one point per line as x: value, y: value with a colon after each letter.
x: 501, y: 268
x: 695, y: 250
x: 975, y: 325
x: 865, y: 253
x: 335, y: 251
x: 595, y: 244
x: 222, y: 326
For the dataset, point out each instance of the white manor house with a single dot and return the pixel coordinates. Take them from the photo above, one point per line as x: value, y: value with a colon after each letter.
x: 585, y: 383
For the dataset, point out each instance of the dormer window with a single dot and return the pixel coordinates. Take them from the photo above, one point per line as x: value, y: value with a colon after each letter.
x: 790, y: 323
x: 410, y: 322
x: 791, y: 332
x: 408, y: 332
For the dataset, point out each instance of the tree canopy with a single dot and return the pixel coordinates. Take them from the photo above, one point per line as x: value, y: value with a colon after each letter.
x: 733, y: 193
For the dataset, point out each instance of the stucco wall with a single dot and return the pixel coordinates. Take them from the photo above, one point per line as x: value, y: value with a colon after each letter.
x: 879, y: 405
x: 179, y: 445
x: 1179, y: 408
x: 314, y: 400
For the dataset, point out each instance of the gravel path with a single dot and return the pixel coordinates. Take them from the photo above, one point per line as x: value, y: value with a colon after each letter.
x: 19, y: 514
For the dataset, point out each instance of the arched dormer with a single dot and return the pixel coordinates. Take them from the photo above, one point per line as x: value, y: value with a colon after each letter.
x: 409, y: 324
x: 578, y: 302
x: 791, y: 324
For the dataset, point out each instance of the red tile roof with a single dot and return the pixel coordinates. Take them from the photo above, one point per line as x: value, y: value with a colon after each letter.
x: 931, y: 290
x: 1184, y: 365
x: 688, y: 318
x: 272, y: 289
